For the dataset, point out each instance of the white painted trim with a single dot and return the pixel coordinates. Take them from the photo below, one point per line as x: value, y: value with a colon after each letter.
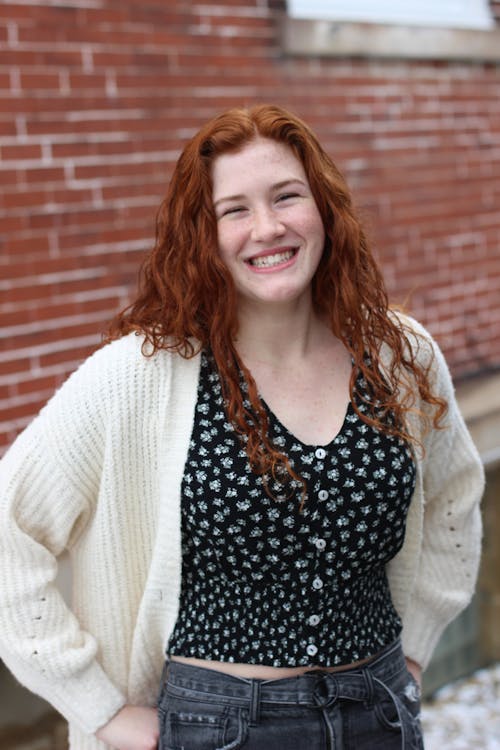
x: 469, y: 14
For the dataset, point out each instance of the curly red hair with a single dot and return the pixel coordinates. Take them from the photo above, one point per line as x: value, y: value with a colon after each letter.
x: 187, y: 298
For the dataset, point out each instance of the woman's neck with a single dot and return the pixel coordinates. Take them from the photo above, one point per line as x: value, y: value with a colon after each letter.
x: 277, y: 334
x: 300, y: 369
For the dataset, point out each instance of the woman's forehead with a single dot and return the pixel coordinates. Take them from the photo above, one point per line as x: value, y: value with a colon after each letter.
x: 260, y: 161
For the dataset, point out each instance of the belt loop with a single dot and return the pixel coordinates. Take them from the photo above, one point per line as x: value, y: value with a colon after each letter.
x: 163, y: 682
x: 164, y: 671
x: 370, y: 687
x: 254, y: 703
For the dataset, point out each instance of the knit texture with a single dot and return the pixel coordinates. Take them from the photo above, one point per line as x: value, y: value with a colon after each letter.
x: 99, y: 471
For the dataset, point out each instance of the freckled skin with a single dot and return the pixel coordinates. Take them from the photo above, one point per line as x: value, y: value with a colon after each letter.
x: 265, y: 210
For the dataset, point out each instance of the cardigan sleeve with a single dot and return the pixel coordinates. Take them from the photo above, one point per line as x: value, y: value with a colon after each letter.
x: 49, y: 481
x: 452, y: 481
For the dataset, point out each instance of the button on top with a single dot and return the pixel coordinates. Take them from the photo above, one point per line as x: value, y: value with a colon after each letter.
x: 314, y: 620
x: 312, y: 650
x: 317, y: 584
x: 323, y: 494
x: 320, y: 453
x: 320, y: 544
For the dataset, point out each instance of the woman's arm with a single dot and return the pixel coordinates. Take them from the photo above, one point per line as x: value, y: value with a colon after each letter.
x: 415, y: 670
x: 451, y: 484
x: 49, y: 482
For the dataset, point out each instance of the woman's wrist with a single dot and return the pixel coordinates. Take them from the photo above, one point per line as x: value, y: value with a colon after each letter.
x: 414, y: 669
x: 132, y: 728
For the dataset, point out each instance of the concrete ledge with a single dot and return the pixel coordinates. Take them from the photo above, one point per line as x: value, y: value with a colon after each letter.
x: 342, y: 39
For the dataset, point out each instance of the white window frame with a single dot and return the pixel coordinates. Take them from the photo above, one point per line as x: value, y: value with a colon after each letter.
x: 468, y: 14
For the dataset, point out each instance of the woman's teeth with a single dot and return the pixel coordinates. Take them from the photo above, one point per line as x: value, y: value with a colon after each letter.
x: 265, y: 261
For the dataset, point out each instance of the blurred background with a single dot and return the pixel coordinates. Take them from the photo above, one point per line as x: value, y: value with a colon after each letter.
x: 97, y: 97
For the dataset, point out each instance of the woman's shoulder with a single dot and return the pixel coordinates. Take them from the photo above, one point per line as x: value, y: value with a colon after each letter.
x: 118, y: 375
x: 123, y: 356
x: 411, y: 327
x: 426, y: 352
x: 421, y: 342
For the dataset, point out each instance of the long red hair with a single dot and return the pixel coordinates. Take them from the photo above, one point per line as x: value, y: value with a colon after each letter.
x: 187, y: 298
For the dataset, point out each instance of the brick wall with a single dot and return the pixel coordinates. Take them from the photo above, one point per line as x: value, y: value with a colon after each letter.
x: 97, y: 98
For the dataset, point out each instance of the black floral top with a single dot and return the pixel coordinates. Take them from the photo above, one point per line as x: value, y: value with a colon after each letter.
x: 262, y: 582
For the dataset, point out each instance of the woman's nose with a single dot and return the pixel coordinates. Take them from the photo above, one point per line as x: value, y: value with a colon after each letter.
x: 266, y: 225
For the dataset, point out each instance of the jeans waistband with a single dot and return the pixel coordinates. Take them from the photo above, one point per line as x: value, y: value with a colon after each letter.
x: 317, y: 687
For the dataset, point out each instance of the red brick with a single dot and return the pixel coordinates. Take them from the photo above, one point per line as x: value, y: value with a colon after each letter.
x: 42, y: 175
x: 48, y: 336
x: 45, y: 58
x: 27, y: 151
x: 71, y: 354
x: 37, y: 385
x: 47, y: 291
x: 118, y: 170
x: 28, y: 268
x: 104, y: 235
x: 152, y: 188
x: 22, y: 198
x: 39, y: 81
x: 11, y: 223
x: 10, y: 177
x: 87, y: 148
x: 16, y: 244
x: 22, y: 410
x: 14, y: 11
x: 8, y: 127
x: 10, y: 367
x: 81, y: 81
x: 111, y: 15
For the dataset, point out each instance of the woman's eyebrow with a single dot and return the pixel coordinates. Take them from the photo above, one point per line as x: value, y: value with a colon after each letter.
x: 275, y: 186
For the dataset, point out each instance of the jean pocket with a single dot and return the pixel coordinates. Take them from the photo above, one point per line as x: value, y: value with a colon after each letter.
x: 191, y: 725
x: 399, y: 711
x: 400, y: 699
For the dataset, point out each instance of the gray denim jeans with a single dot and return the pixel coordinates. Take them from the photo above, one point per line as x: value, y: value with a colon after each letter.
x: 374, y: 707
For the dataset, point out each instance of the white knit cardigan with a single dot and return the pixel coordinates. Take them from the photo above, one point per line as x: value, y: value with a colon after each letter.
x: 99, y: 472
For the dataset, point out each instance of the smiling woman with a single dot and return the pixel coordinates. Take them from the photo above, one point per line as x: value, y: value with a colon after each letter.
x: 249, y: 482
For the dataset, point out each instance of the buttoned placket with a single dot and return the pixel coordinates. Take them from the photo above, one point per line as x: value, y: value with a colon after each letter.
x: 320, y: 544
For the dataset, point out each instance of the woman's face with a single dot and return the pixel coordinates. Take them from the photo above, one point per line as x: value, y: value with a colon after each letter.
x: 270, y: 232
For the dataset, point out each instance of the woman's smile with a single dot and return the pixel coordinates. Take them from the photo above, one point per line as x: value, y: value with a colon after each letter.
x: 272, y: 259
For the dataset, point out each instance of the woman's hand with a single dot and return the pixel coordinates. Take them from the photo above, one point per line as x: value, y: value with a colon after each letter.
x: 132, y: 728
x: 415, y: 670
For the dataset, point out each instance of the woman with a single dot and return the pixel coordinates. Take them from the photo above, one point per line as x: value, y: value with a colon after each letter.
x: 263, y: 476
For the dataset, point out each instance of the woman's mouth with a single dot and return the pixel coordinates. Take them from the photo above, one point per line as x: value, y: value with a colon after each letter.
x: 273, y: 259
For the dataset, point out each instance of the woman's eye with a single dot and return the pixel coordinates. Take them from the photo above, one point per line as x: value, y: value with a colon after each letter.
x: 233, y: 210
x: 285, y: 196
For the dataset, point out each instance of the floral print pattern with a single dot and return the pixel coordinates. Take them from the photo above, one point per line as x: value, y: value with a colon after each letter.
x: 266, y: 583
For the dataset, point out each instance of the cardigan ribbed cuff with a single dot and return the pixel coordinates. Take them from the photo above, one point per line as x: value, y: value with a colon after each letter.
x: 87, y: 699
